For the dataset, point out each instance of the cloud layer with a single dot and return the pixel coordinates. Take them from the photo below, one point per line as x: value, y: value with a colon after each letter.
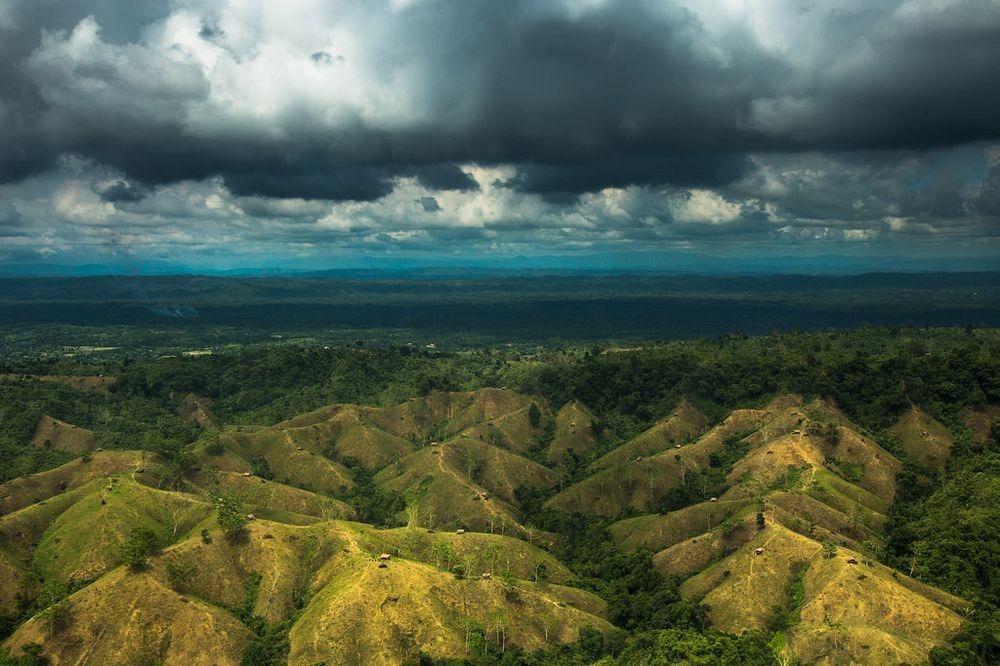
x: 528, y: 126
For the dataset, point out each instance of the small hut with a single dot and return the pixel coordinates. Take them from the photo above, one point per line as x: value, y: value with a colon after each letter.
x: 459, y: 531
x: 852, y: 560
x: 758, y: 551
x: 250, y: 517
x: 486, y: 575
x: 385, y: 557
x: 713, y: 499
x: 247, y: 474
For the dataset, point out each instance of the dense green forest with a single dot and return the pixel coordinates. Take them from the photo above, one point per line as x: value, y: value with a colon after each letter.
x: 944, y: 523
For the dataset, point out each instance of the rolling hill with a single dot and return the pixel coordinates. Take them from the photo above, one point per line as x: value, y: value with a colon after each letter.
x: 772, y: 518
x: 791, y: 538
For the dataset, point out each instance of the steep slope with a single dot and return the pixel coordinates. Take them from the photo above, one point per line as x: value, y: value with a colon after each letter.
x: 131, y: 618
x: 463, y: 483
x: 86, y: 539
x: 52, y: 433
x: 980, y: 420
x: 22, y: 492
x: 756, y: 557
x: 349, y: 607
x: 889, y: 618
x: 641, y: 484
x: 925, y: 439
x: 683, y: 425
x: 370, y: 615
x: 345, y: 432
x: 656, y: 532
x: 276, y: 500
x: 574, y: 432
x: 197, y: 410
x: 442, y: 414
x: 849, y: 611
x: 299, y: 464
x: 219, y: 570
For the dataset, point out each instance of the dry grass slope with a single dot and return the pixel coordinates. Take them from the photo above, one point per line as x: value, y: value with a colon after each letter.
x: 926, y: 440
x: 23, y: 492
x: 52, y: 433
x: 371, y: 615
x: 127, y: 618
x: 573, y: 431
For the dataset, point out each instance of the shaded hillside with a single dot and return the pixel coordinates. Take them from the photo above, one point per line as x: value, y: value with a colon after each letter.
x: 52, y: 433
x: 683, y: 425
x: 132, y: 618
x: 641, y: 483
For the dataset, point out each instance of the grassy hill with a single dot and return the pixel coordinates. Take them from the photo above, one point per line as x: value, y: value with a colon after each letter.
x: 464, y: 483
x: 979, y: 421
x: 23, y: 492
x: 52, y: 433
x: 756, y: 556
x: 640, y: 483
x: 126, y: 618
x: 682, y: 426
x: 298, y: 462
x: 772, y: 518
x: 370, y: 615
x: 926, y: 440
x: 574, y: 431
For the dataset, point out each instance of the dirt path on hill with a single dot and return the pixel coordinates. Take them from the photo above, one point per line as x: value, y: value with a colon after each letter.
x: 754, y: 556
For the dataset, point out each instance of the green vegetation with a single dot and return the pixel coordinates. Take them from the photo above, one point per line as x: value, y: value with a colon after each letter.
x: 789, y: 493
x: 231, y: 514
x: 139, y: 544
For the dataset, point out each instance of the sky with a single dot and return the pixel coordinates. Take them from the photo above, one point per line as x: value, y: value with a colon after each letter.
x: 150, y: 135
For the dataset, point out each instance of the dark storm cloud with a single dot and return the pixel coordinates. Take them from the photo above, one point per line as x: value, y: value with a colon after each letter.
x: 430, y: 204
x: 575, y: 97
x: 908, y: 76
x: 988, y: 201
x: 681, y: 170
x: 11, y: 222
x: 28, y: 148
x: 121, y: 191
x: 615, y: 94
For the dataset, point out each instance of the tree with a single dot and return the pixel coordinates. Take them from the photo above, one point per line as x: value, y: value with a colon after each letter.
x: 443, y: 553
x: 232, y: 518
x: 534, y: 415
x: 139, y: 543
